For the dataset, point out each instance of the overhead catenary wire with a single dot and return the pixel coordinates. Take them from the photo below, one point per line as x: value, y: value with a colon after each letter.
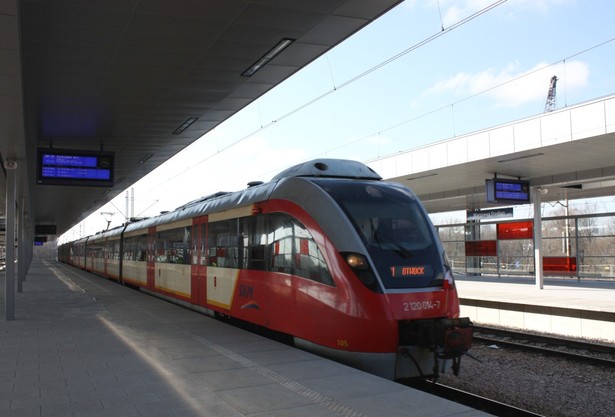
x: 469, y: 97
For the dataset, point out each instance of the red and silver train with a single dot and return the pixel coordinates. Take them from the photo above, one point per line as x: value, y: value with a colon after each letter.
x: 346, y: 264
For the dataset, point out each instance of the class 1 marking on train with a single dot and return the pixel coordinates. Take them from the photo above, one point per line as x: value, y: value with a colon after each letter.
x: 409, y: 271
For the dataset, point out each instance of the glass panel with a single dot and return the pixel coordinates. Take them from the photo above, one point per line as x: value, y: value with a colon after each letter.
x: 294, y: 251
x: 172, y: 246
x: 258, y: 244
x: 516, y: 230
x: 395, y: 230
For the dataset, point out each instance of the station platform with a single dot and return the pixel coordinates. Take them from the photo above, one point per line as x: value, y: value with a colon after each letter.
x: 564, y: 306
x: 83, y: 346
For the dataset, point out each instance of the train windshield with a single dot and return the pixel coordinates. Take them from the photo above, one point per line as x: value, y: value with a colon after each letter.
x: 395, y: 229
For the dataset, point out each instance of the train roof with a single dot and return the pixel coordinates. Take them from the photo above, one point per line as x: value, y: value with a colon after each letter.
x: 256, y: 191
x: 332, y: 168
x: 215, y: 202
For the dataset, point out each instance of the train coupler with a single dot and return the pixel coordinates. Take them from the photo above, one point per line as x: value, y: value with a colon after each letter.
x: 447, y: 338
x: 457, y: 335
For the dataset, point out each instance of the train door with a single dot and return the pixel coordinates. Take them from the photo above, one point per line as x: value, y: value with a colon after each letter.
x: 199, y: 261
x: 151, y: 258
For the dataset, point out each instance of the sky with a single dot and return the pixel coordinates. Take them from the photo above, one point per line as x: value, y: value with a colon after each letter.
x: 426, y: 71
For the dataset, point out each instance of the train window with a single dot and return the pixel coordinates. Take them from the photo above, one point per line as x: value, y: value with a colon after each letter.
x: 238, y: 243
x: 140, y: 250
x: 277, y: 242
x: 222, y: 244
x: 280, y: 240
x: 292, y: 250
x: 95, y: 250
x: 127, y: 249
x: 257, y: 243
x: 228, y: 243
x: 135, y: 248
x: 107, y: 249
x: 173, y: 246
x: 114, y: 249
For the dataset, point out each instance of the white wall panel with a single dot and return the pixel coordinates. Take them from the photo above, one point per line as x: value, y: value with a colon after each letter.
x: 404, y: 164
x: 479, y: 146
x: 420, y: 160
x: 588, y: 121
x: 527, y: 135
x: 501, y: 141
x: 457, y: 151
x: 555, y: 128
x: 437, y: 156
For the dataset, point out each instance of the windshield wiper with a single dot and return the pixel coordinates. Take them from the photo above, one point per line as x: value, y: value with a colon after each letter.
x: 399, y: 248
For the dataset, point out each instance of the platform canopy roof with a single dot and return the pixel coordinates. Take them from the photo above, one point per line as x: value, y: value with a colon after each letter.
x: 124, y: 75
x: 567, y: 154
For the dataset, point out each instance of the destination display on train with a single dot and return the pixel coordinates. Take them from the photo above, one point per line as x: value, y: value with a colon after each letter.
x: 411, y: 271
x: 70, y: 167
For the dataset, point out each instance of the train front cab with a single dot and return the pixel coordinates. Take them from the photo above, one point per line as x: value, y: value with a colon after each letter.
x: 406, y: 270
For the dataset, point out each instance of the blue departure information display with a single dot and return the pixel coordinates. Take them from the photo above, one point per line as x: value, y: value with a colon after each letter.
x: 76, y: 173
x: 507, y: 191
x: 511, y: 191
x: 70, y: 160
x: 72, y: 167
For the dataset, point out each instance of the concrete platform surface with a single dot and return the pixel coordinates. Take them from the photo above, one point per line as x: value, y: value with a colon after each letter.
x: 83, y: 346
x: 563, y: 306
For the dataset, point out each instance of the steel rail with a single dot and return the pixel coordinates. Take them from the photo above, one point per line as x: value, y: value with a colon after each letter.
x: 548, y: 345
x: 473, y: 401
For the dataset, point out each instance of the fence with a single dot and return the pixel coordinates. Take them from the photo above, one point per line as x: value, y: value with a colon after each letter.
x: 578, y: 246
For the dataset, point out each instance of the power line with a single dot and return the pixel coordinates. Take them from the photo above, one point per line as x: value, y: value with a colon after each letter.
x: 486, y: 90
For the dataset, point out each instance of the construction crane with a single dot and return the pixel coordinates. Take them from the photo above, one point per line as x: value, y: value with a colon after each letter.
x: 550, y: 103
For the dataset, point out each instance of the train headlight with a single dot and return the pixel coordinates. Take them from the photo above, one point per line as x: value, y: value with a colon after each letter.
x: 360, y: 266
x: 357, y: 261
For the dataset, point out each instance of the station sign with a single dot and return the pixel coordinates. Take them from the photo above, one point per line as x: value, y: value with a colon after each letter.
x: 45, y: 229
x: 498, y: 213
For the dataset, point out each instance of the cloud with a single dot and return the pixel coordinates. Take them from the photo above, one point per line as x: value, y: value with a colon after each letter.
x: 453, y: 11
x: 512, y: 86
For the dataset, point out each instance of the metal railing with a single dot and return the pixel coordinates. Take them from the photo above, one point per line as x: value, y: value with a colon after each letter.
x: 587, y: 241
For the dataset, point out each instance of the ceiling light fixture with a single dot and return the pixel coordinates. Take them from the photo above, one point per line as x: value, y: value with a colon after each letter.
x: 185, y: 125
x: 421, y: 176
x: 283, y: 44
x: 515, y: 158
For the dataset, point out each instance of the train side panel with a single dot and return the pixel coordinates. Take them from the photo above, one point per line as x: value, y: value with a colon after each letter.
x: 134, y: 272
x: 173, y: 279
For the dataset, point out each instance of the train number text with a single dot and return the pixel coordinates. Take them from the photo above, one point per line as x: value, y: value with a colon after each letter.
x: 421, y: 305
x: 342, y: 343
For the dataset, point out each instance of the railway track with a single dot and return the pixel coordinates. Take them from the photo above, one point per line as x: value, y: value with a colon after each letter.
x: 474, y: 401
x: 581, y: 351
x: 596, y: 354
